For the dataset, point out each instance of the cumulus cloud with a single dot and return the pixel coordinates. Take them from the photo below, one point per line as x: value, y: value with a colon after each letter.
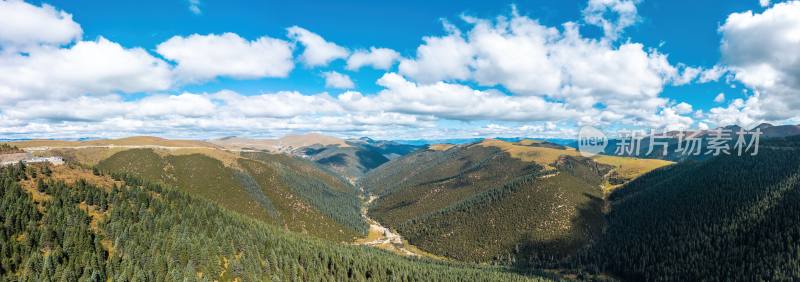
x: 88, y: 67
x: 225, y: 112
x: 378, y: 58
x: 23, y: 26
x: 515, y: 53
x: 712, y: 74
x: 453, y: 101
x: 84, y: 109
x: 194, y: 7
x: 337, y: 80
x: 720, y: 98
x: 760, y: 50
x: 740, y: 112
x: 440, y: 58
x: 764, y: 3
x: 597, y: 11
x: 318, y: 51
x: 530, y: 59
x: 683, y: 108
x: 285, y: 104
x: 183, y: 105
x: 510, y: 74
x: 202, y: 57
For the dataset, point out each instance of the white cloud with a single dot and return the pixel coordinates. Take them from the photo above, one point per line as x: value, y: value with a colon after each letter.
x: 88, y: 67
x: 188, y: 114
x: 440, y: 58
x: 683, y: 108
x: 625, y: 12
x: 23, y: 26
x: 202, y: 57
x: 183, y: 105
x: 511, y: 73
x: 720, y: 98
x: 760, y: 50
x: 85, y: 109
x: 337, y: 80
x: 596, y: 69
x: 453, y: 101
x: 606, y: 82
x: 528, y: 58
x: 740, y: 112
x: 278, y: 105
x: 194, y: 7
x: 515, y: 54
x: 763, y: 3
x: 318, y: 52
x: 712, y: 74
x: 670, y: 118
x: 688, y: 74
x: 378, y: 58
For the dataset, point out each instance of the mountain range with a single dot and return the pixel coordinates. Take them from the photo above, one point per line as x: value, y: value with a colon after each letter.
x: 490, y: 209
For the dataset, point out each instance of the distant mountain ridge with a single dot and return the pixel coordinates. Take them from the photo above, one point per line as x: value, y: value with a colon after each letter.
x: 127, y: 141
x: 285, y: 144
x: 350, y: 158
x: 358, y: 158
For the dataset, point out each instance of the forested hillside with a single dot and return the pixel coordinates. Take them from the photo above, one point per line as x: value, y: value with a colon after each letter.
x: 728, y: 218
x: 526, y: 203
x: 287, y: 192
x: 133, y: 230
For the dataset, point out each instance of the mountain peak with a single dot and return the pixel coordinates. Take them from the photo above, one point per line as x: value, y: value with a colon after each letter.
x: 311, y: 139
x: 733, y: 127
x: 763, y: 126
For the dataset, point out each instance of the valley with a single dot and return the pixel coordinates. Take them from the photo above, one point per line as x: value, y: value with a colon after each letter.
x: 399, y: 141
x: 528, y: 207
x: 499, y: 202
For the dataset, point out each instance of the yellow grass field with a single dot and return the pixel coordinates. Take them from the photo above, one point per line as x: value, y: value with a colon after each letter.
x: 440, y: 147
x: 540, y: 155
x: 631, y: 167
x: 625, y: 167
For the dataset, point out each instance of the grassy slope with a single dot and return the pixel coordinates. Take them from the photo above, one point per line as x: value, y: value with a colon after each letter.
x: 210, y: 178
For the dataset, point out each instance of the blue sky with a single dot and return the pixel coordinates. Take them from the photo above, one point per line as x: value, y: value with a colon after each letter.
x: 662, y: 66
x: 686, y: 28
